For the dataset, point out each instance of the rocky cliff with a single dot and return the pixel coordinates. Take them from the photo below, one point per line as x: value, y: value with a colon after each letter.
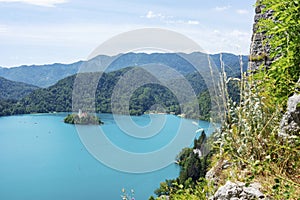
x: 259, y: 53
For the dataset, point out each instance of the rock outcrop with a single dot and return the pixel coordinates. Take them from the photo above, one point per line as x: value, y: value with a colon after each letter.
x: 259, y: 56
x: 290, y: 123
x: 238, y: 191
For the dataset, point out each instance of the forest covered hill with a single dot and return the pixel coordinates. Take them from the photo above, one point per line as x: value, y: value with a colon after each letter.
x: 58, y: 98
x: 14, y: 90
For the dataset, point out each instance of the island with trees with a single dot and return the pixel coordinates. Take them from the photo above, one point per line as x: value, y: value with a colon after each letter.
x: 82, y: 118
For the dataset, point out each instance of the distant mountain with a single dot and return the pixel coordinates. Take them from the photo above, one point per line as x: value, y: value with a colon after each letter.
x: 14, y: 90
x: 40, y: 75
x: 47, y: 75
x: 178, y: 61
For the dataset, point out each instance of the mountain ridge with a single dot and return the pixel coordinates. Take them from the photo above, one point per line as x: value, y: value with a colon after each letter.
x: 49, y: 74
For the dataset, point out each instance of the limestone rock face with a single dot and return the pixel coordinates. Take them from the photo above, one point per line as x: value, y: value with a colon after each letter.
x: 238, y: 191
x: 290, y: 123
x: 259, y: 53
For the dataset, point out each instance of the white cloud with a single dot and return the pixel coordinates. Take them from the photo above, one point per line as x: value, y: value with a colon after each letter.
x: 169, y: 19
x: 183, y: 22
x: 242, y: 11
x: 222, y: 8
x: 74, y: 42
x: 193, y: 22
x: 151, y: 15
x: 220, y: 40
x: 46, y: 3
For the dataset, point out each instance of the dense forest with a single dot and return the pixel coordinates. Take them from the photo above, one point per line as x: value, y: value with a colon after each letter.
x: 14, y: 90
x: 58, y: 98
x: 194, y: 163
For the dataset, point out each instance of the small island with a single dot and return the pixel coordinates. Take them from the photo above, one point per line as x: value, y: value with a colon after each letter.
x: 82, y: 118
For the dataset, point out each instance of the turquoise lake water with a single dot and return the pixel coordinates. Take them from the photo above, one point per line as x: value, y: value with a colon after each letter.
x: 42, y: 158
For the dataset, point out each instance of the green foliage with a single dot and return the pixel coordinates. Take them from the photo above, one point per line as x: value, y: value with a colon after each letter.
x: 151, y: 198
x: 283, y: 37
x: 58, y: 98
x: 249, y: 139
x: 204, y: 105
x: 178, y: 191
x: 14, y: 90
x: 165, y: 188
x: 250, y: 136
x: 200, y: 142
x: 6, y: 106
x: 261, y: 57
x: 282, y: 189
x: 86, y: 119
x: 198, y: 192
x: 248, y: 125
x: 193, y: 167
x: 144, y: 99
x: 274, y: 156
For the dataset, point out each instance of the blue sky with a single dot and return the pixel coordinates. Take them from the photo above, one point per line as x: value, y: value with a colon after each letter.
x: 49, y: 31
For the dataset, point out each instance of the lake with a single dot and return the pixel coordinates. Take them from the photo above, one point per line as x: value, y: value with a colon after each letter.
x: 42, y: 158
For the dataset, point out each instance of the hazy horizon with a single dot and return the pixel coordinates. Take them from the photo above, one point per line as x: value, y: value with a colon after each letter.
x: 82, y: 60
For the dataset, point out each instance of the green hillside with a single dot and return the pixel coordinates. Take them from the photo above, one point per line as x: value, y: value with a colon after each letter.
x: 14, y: 90
x: 58, y: 98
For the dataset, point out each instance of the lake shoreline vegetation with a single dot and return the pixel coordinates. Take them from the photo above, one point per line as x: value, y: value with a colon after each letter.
x: 58, y: 98
x: 194, y: 163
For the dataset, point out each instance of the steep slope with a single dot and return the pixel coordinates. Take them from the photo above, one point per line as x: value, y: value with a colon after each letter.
x: 14, y: 90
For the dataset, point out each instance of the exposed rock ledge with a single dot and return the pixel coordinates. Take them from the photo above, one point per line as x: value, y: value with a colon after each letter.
x: 238, y: 191
x: 290, y: 123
